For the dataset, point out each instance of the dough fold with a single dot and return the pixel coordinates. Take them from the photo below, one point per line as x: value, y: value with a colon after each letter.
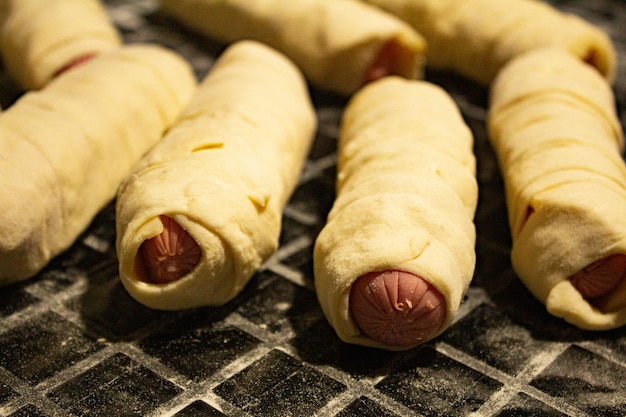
x: 224, y: 173
x: 475, y: 38
x: 406, y: 197
x: 554, y: 127
x: 38, y: 38
x: 334, y: 42
x: 67, y: 147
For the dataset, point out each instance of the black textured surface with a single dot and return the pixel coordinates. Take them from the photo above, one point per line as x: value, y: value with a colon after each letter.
x: 73, y: 342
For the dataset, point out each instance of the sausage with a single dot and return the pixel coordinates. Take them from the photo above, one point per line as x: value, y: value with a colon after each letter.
x: 396, y: 308
x: 334, y: 43
x: 74, y: 63
x: 169, y: 256
x: 386, y: 62
x: 601, y: 277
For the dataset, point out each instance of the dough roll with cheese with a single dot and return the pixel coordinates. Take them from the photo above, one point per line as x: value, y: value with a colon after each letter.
x: 41, y: 38
x: 397, y: 252
x: 554, y: 127
x: 338, y: 44
x: 202, y: 211
x: 475, y: 38
x: 67, y: 147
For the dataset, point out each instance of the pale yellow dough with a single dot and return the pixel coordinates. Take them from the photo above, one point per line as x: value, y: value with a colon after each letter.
x: 224, y: 173
x: 475, y: 38
x: 334, y: 42
x: 406, y: 197
x: 554, y: 127
x: 40, y: 37
x: 67, y: 147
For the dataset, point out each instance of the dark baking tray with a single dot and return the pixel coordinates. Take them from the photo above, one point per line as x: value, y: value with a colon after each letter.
x: 72, y: 342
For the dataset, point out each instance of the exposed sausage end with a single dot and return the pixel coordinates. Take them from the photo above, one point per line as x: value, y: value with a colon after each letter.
x: 74, y: 63
x: 169, y: 256
x: 386, y: 62
x: 397, y: 308
x: 601, y: 277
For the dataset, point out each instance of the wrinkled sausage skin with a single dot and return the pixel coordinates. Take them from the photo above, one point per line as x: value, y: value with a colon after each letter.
x: 170, y: 255
x: 396, y: 308
x: 600, y: 277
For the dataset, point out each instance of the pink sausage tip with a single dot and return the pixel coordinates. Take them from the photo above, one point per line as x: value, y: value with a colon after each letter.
x: 170, y: 255
x: 74, y: 63
x: 397, y: 308
x: 600, y: 277
x: 385, y: 63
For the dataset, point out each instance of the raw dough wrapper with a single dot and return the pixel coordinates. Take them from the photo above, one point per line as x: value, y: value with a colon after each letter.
x: 221, y: 176
x: 338, y: 44
x: 554, y: 127
x: 67, y: 147
x: 406, y: 197
x: 40, y: 38
x: 475, y: 38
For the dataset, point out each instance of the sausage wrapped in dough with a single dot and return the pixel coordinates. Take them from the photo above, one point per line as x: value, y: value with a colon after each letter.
x: 554, y: 128
x: 40, y: 38
x: 67, y: 147
x: 397, y: 253
x: 338, y: 44
x: 203, y: 209
x: 476, y: 37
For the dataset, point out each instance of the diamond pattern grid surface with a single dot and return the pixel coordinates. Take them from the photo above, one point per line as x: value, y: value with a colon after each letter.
x: 73, y: 342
